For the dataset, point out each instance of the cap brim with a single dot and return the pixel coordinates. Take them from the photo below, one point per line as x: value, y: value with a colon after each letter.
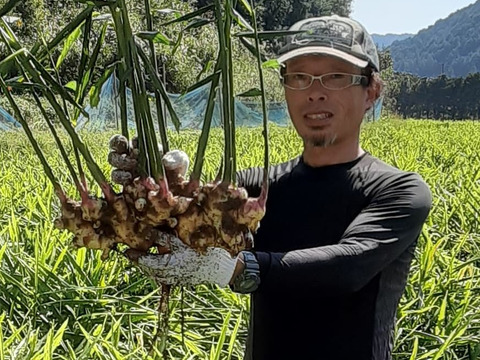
x: 322, y: 50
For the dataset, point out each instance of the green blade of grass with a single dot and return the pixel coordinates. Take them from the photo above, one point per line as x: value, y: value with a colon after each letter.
x: 162, y: 126
x: 159, y: 85
x: 8, y: 6
x: 190, y: 15
x: 37, y: 49
x: 206, y: 126
x: 264, y: 103
x: 38, y: 151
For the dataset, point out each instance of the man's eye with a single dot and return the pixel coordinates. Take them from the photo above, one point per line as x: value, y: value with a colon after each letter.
x: 300, y: 77
x: 336, y: 76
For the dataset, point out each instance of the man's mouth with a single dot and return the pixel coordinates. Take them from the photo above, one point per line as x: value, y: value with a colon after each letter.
x: 319, y: 116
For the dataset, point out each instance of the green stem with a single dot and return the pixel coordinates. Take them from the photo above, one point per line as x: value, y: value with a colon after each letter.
x: 14, y: 43
x: 162, y: 126
x: 162, y: 122
x: 82, y: 81
x: 84, y: 58
x: 141, y: 105
x: 264, y: 102
x: 225, y: 99
x: 154, y: 157
x: 11, y: 57
x: 228, y: 31
x: 123, y: 106
x: 55, y: 85
x: 207, y: 123
x: 85, y: 77
x: 63, y: 34
x: 18, y: 114
x: 122, y: 70
x: 151, y: 138
x: 27, y: 130
x: 124, y: 35
x: 8, y: 6
x: 77, y: 142
x: 61, y: 147
x: 81, y: 172
x: 157, y: 82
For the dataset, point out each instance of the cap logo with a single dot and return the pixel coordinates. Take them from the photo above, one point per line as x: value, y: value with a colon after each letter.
x: 329, y: 32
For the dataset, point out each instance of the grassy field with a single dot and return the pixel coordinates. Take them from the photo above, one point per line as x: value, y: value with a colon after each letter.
x: 60, y: 303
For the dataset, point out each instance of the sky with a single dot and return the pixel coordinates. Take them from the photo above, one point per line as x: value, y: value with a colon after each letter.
x: 403, y: 16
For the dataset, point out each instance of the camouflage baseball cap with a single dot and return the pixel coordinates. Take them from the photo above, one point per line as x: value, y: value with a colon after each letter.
x: 333, y: 35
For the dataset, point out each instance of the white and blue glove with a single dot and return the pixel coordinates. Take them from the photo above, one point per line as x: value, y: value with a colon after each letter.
x: 185, y: 266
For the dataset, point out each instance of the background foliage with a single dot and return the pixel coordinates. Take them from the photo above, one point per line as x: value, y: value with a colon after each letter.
x: 281, y: 14
x: 41, y: 20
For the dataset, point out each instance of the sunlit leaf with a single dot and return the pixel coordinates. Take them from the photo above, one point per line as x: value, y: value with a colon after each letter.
x: 190, y: 15
x: 155, y: 36
x: 267, y: 35
x: 251, y: 93
x: 94, y: 92
x: 196, y: 23
x: 271, y: 64
x: 67, y: 46
x: 72, y: 85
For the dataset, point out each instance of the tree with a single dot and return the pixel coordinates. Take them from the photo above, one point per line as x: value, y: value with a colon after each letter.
x: 390, y: 80
x: 281, y: 14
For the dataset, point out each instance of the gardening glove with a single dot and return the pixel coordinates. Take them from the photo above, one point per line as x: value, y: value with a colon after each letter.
x: 185, y: 266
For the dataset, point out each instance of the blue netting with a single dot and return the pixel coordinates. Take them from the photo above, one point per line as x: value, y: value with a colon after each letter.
x: 7, y: 122
x: 190, y: 109
x: 374, y: 113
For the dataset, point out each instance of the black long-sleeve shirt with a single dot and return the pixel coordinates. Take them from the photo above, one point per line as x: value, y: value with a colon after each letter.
x: 334, y: 250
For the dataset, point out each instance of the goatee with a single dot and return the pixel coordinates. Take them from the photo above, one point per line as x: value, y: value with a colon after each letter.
x: 320, y: 141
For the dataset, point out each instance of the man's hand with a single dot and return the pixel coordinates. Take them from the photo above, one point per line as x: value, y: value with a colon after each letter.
x: 185, y: 266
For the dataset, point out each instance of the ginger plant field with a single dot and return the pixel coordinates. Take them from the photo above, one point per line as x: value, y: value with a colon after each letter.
x: 57, y: 302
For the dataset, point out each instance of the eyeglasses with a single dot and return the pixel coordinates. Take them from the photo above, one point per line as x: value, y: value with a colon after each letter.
x: 330, y: 81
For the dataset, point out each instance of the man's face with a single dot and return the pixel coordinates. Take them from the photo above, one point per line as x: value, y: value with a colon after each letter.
x: 325, y: 117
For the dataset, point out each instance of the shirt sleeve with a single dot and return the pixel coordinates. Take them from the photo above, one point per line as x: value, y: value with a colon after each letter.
x: 382, y: 231
x: 251, y: 180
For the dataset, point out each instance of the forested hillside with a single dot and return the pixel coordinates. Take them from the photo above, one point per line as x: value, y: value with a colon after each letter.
x: 451, y: 46
x: 384, y: 41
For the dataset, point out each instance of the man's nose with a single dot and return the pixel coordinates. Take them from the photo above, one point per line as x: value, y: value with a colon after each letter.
x: 317, y: 91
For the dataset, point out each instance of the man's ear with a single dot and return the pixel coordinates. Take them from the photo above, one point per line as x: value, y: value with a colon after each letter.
x: 371, y: 96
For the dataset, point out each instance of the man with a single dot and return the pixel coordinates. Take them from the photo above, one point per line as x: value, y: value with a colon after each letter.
x: 332, y: 254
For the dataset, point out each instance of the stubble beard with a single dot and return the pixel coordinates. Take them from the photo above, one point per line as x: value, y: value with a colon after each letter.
x: 320, y: 141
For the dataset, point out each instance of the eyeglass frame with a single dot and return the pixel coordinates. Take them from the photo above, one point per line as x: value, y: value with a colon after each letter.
x: 357, y: 79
